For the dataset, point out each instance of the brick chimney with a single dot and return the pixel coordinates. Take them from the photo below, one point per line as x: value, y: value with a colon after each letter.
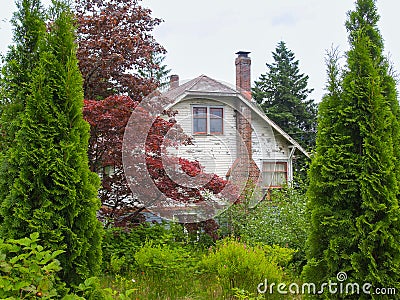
x: 243, y: 85
x: 243, y: 70
x: 173, y: 81
x: 243, y: 120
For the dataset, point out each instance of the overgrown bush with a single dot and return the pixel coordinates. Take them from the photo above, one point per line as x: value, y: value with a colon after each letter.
x: 28, y: 270
x: 237, y: 265
x: 160, y: 260
x: 91, y: 289
x: 120, y: 245
x: 280, y: 220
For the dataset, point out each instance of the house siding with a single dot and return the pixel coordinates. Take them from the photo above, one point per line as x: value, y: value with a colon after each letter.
x: 267, y: 143
x: 215, y: 152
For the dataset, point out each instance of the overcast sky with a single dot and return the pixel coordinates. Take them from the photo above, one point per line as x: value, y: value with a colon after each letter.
x: 201, y: 37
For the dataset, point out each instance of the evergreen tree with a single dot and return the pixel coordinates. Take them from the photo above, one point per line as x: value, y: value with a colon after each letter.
x: 158, y: 71
x: 282, y: 93
x: 354, y: 176
x: 53, y: 191
x: 21, y: 59
x: 29, y: 27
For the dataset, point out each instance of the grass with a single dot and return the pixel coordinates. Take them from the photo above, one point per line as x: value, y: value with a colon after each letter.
x: 179, y: 287
x: 165, y: 287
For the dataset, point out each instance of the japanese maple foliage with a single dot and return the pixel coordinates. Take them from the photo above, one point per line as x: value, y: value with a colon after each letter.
x: 108, y: 119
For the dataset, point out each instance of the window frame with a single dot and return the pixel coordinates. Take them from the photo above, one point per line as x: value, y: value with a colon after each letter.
x: 194, y: 116
x: 275, y: 171
x: 208, y: 118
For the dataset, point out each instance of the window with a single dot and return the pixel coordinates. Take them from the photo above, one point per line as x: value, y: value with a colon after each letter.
x: 109, y: 170
x: 274, y: 174
x: 200, y: 120
x: 208, y: 120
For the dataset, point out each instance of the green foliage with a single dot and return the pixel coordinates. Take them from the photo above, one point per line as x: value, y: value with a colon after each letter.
x: 245, y: 295
x: 169, y: 264
x: 159, y: 73
x: 91, y: 289
x: 48, y: 187
x: 282, y: 221
x: 237, y: 265
x: 354, y: 175
x: 120, y: 246
x: 164, y: 260
x: 282, y: 93
x: 16, y: 74
x: 28, y: 270
x: 21, y: 59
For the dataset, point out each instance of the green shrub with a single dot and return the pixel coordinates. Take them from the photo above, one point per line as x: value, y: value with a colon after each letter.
x: 28, y: 270
x: 280, y: 255
x: 237, y: 265
x: 91, y: 289
x: 245, y: 295
x: 120, y: 245
x: 164, y: 259
x: 282, y: 221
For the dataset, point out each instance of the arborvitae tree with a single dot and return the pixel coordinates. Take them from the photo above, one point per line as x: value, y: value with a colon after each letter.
x: 53, y: 191
x: 29, y: 27
x: 21, y: 59
x: 354, y: 177
x: 282, y: 93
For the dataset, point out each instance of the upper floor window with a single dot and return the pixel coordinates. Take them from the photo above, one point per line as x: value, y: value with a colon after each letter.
x: 208, y: 120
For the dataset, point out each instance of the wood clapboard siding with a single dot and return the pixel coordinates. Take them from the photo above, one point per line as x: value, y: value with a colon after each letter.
x: 215, y: 152
x: 267, y: 143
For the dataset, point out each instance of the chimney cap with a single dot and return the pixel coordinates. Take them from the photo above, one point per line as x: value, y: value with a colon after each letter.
x: 173, y: 81
x: 242, y: 53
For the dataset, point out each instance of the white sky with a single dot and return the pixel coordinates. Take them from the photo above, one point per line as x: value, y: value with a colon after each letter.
x: 201, y: 37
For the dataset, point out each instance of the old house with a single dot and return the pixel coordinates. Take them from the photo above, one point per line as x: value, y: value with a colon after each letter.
x: 226, y: 124
x: 228, y: 131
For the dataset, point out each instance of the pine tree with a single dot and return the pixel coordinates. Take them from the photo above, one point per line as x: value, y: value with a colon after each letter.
x: 354, y: 176
x: 53, y: 191
x: 282, y: 93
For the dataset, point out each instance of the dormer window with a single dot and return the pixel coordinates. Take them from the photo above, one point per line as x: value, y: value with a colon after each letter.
x: 208, y: 120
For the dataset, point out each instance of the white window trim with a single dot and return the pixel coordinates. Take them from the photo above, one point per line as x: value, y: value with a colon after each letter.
x: 208, y: 106
x: 276, y: 161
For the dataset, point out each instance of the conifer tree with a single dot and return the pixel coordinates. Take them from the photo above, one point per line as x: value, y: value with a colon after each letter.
x: 282, y: 93
x: 354, y: 176
x: 53, y: 191
x: 29, y: 27
x: 21, y: 59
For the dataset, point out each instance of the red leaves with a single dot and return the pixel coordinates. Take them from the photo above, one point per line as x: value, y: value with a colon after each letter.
x: 115, y: 42
x: 108, y: 119
x: 192, y: 168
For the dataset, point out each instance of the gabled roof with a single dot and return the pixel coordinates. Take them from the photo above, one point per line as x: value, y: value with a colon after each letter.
x: 204, y: 85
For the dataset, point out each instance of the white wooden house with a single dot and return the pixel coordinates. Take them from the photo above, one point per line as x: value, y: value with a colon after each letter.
x: 216, y: 115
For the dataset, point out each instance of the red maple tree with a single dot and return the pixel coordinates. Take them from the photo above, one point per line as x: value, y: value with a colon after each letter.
x: 108, y: 119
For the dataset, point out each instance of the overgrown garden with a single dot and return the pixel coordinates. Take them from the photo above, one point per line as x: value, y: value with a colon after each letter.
x: 54, y: 145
